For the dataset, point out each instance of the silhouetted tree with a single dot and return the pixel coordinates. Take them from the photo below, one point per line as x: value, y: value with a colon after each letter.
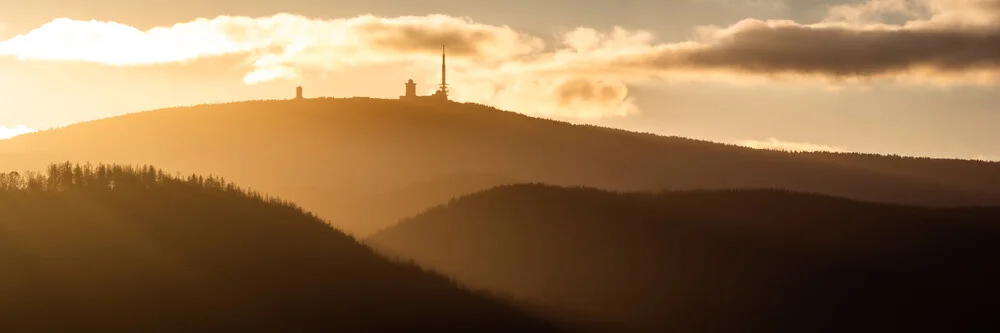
x: 112, y: 248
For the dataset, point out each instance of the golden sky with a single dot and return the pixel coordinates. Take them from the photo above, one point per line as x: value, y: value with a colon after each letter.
x: 911, y: 77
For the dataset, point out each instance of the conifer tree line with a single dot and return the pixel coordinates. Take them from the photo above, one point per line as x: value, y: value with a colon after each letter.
x: 67, y: 176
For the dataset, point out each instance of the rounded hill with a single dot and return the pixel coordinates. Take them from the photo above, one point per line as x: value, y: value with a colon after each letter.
x: 718, y: 261
x: 360, y: 162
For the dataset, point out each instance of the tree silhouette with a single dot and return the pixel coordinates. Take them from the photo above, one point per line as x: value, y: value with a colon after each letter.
x: 113, y: 248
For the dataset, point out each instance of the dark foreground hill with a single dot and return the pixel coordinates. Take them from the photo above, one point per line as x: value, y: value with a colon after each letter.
x: 366, y: 163
x: 112, y: 249
x: 726, y: 261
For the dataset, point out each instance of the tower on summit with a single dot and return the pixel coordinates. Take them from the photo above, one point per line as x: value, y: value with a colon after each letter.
x: 411, y: 89
x: 442, y: 92
x: 298, y: 92
x: 443, y: 89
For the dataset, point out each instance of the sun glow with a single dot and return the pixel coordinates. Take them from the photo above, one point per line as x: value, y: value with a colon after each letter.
x: 7, y: 133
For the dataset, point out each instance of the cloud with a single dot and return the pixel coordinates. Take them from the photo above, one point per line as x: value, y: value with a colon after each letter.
x: 755, y: 47
x: 874, y: 11
x: 585, y: 73
x: 547, y: 97
x: 942, y: 41
x: 7, y: 133
x: 775, y: 144
x: 274, y: 44
x: 776, y: 5
x: 582, y: 90
x: 945, y: 36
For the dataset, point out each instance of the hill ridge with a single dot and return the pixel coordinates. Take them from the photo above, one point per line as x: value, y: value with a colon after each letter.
x: 343, y: 157
x: 716, y: 261
x: 112, y: 248
x: 493, y: 108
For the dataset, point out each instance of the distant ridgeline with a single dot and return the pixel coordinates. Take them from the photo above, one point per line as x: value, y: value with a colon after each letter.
x: 718, y: 261
x: 112, y: 248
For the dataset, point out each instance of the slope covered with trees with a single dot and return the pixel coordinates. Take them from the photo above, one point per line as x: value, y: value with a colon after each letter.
x: 120, y: 249
x: 342, y: 157
x: 718, y: 261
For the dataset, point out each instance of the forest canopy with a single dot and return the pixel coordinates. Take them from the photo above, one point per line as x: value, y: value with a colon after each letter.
x: 111, y: 248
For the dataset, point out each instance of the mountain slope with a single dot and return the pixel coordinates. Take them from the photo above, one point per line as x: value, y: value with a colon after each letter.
x: 728, y: 261
x: 338, y: 157
x: 113, y: 249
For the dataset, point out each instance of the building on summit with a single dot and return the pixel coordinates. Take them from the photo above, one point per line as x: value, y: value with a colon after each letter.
x: 411, y: 87
x: 441, y: 94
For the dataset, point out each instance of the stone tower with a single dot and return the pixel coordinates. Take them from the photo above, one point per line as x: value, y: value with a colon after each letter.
x: 411, y: 89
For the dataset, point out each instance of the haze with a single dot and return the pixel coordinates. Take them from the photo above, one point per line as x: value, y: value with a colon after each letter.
x: 890, y: 76
x: 563, y: 166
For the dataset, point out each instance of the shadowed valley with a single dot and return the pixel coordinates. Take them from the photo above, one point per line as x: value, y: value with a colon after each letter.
x: 718, y: 261
x: 365, y: 163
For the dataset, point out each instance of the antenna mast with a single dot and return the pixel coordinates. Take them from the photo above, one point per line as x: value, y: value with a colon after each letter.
x: 444, y: 80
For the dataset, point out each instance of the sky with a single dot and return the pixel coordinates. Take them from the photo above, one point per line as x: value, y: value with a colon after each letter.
x: 917, y: 77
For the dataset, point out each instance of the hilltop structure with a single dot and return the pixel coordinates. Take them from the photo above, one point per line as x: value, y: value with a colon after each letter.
x: 441, y: 94
x: 411, y: 87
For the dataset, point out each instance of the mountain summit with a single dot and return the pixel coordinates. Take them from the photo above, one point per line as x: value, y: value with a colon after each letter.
x: 357, y: 161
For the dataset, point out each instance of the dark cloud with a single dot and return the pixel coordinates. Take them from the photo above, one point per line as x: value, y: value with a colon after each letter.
x: 461, y: 41
x: 833, y: 51
x: 282, y: 45
x: 582, y: 90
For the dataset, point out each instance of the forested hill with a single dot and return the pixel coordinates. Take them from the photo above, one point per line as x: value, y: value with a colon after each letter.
x: 718, y: 261
x: 363, y: 163
x: 119, y: 249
